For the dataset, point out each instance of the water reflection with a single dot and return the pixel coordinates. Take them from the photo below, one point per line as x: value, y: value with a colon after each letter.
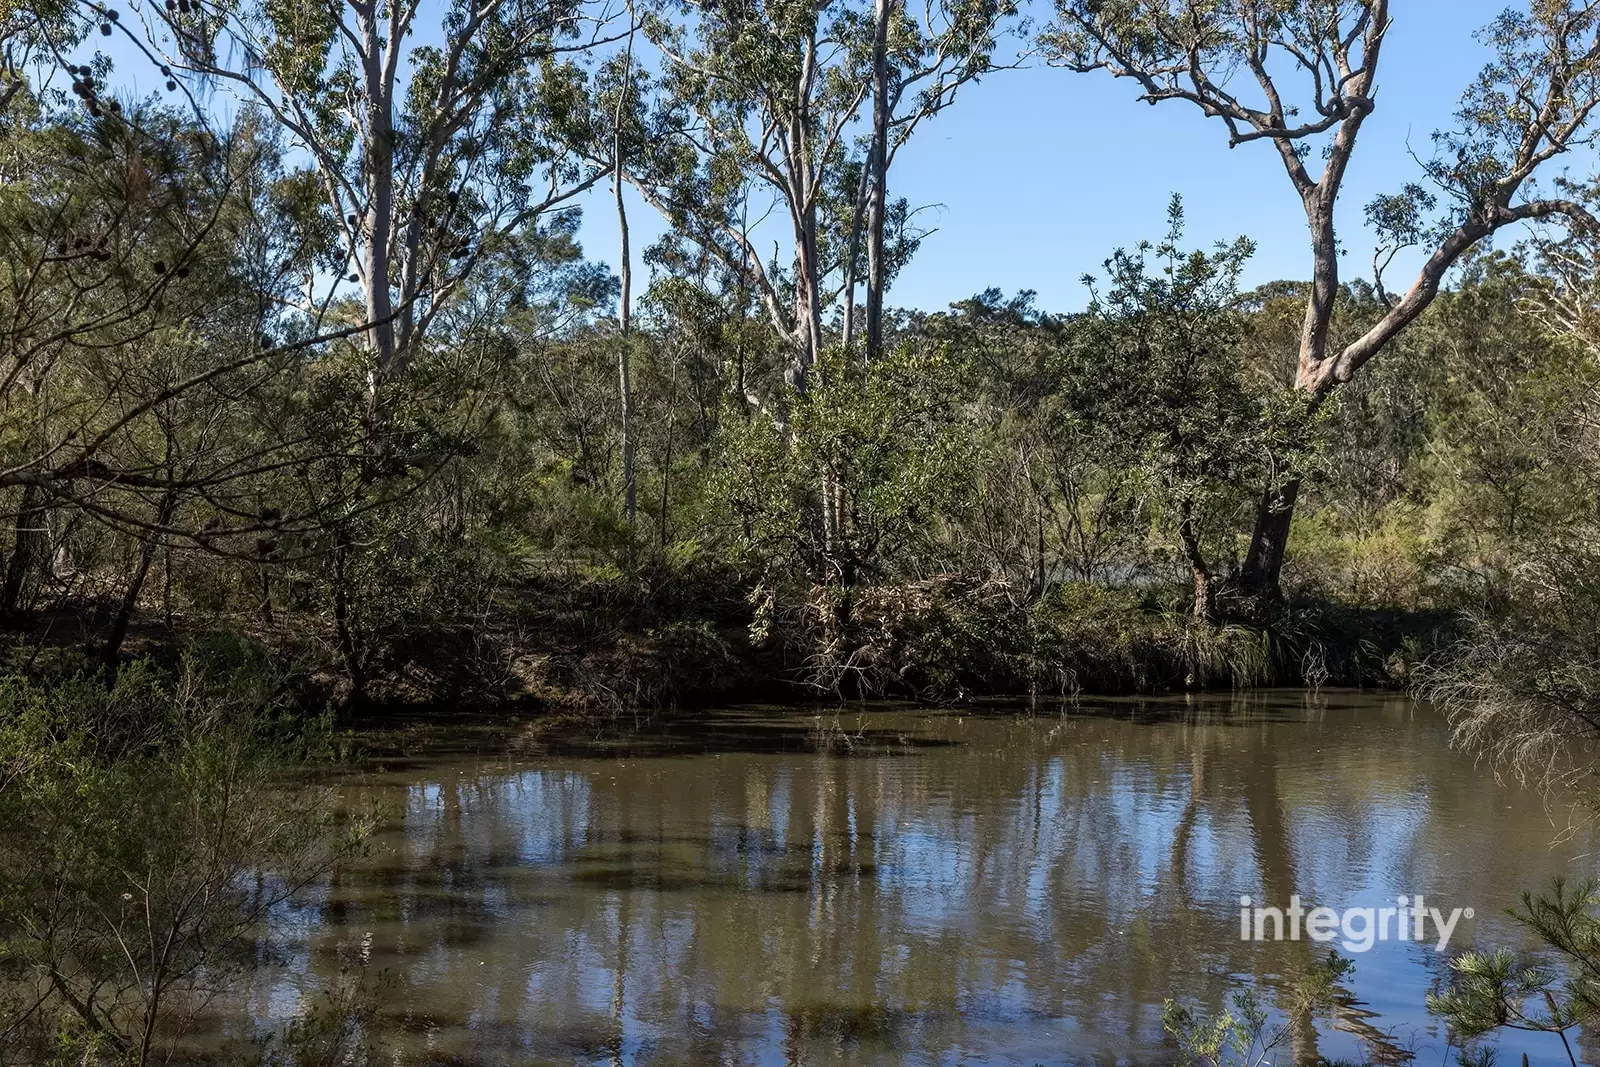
x: 914, y: 887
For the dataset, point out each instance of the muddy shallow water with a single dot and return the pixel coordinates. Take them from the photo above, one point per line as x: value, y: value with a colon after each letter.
x: 892, y: 886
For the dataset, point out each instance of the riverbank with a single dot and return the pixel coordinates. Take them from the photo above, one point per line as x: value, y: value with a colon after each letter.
x: 604, y: 648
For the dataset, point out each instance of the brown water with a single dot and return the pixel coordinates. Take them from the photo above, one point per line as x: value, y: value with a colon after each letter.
x: 915, y: 887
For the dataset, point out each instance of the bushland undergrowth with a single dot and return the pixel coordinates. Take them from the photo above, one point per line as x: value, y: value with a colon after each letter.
x: 146, y: 834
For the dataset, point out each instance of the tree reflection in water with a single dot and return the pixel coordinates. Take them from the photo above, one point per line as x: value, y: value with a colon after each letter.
x: 915, y: 886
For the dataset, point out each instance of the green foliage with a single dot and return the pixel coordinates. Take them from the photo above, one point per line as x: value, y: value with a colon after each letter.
x: 1492, y: 991
x: 886, y: 446
x: 338, y: 375
x: 1154, y: 375
x: 130, y: 817
x: 1244, y: 1035
x: 1155, y: 383
x: 1001, y: 498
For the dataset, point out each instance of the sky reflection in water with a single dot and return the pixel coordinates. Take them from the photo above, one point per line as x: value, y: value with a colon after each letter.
x: 912, y: 886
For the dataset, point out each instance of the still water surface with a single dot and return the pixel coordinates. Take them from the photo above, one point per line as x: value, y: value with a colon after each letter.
x: 897, y: 886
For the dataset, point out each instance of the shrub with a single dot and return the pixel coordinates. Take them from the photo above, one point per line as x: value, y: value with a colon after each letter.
x: 144, y: 834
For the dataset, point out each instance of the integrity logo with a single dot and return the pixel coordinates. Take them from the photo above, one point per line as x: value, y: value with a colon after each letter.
x: 1360, y: 928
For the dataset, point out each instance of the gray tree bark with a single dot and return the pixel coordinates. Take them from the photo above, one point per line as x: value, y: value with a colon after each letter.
x: 877, y: 276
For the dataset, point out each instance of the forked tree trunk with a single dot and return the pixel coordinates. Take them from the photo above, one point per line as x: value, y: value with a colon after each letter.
x: 1269, y: 541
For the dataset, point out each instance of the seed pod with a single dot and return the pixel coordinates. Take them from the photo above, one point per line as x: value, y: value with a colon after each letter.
x: 160, y: 266
x: 171, y: 85
x: 182, y: 272
x: 105, y: 29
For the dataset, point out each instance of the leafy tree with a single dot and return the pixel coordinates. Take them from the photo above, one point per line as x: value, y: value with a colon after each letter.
x: 151, y: 381
x: 918, y: 66
x: 453, y: 146
x: 753, y: 117
x: 1155, y: 379
x: 892, y: 438
x: 1530, y: 104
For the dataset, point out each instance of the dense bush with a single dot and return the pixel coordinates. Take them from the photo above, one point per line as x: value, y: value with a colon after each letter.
x: 145, y: 832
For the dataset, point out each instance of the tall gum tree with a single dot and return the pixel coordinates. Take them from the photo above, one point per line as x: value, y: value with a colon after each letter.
x: 437, y: 133
x: 758, y: 120
x: 788, y: 113
x: 1235, y: 61
x: 750, y: 123
x: 921, y: 58
x: 433, y: 129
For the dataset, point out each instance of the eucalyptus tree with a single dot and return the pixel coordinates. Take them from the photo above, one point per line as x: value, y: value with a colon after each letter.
x: 1235, y: 60
x: 426, y: 147
x: 920, y: 60
x: 424, y: 152
x: 779, y: 120
x: 751, y: 119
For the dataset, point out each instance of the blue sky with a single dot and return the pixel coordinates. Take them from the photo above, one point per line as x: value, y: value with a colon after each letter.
x: 1035, y: 175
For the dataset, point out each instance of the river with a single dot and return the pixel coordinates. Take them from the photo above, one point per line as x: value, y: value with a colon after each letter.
x: 916, y: 886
